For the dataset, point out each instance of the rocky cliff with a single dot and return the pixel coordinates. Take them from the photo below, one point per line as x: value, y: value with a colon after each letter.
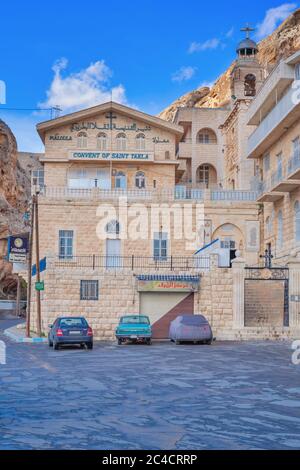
x: 14, y: 197
x: 284, y: 41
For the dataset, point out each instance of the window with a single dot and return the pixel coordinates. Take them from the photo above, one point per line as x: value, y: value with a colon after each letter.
x: 102, y: 141
x: 204, y: 175
x: 37, y: 178
x: 113, y: 227
x: 280, y: 229
x: 167, y: 155
x: 160, y: 246
x: 266, y: 162
x: 120, y: 180
x: 250, y: 85
x: 89, y: 290
x: 228, y: 244
x: 206, y: 136
x: 82, y: 140
x: 279, y: 165
x: 140, y: 180
x: 297, y: 221
x: 297, y: 71
x: 121, y: 142
x: 268, y: 225
x: 140, y: 142
x: 296, y: 148
x: 66, y: 244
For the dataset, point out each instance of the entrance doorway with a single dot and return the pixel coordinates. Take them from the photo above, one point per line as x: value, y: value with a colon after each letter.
x: 113, y: 254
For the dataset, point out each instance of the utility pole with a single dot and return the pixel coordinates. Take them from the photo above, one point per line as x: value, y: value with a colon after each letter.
x: 17, y: 311
x: 29, y: 275
x: 38, y: 274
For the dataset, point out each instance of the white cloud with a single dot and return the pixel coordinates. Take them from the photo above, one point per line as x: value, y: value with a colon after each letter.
x: 183, y: 74
x: 207, y: 84
x: 229, y: 33
x: 84, y: 89
x: 203, y: 46
x: 272, y: 18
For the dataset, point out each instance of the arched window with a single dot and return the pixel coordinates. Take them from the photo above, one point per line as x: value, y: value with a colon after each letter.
x: 206, y: 176
x: 297, y: 221
x: 206, y: 136
x: 140, y: 180
x: 82, y: 140
x: 121, y: 142
x: 113, y: 227
x: 140, y: 142
x: 102, y: 141
x: 250, y: 85
x: 120, y: 180
x: 280, y: 229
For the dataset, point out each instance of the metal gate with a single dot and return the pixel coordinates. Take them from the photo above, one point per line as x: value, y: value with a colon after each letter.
x: 266, y: 296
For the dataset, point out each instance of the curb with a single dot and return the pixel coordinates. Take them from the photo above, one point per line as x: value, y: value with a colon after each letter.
x: 21, y: 339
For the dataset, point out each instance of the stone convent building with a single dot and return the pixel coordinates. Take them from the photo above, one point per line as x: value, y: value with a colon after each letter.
x: 140, y: 215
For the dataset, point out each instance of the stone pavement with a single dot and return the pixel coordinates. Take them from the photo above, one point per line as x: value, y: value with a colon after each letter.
x: 224, y: 396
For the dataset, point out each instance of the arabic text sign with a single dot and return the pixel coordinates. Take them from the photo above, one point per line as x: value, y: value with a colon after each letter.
x: 109, y: 156
x: 168, y: 286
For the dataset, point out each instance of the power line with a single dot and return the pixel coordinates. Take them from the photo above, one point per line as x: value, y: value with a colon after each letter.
x: 55, y: 110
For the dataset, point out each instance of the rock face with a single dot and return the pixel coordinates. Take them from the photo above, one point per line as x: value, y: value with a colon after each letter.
x: 14, y: 197
x: 284, y: 41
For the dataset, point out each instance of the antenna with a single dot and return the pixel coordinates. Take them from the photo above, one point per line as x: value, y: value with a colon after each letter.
x: 55, y: 112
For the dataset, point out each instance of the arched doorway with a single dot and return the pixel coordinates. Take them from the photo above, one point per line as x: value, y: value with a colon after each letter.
x: 231, y: 240
x: 206, y: 176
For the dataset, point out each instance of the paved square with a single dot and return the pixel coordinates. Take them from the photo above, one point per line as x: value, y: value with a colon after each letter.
x: 224, y: 396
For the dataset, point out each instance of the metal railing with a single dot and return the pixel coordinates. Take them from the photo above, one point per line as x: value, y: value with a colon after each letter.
x: 234, y: 195
x: 133, y: 262
x: 180, y: 192
x: 294, y: 163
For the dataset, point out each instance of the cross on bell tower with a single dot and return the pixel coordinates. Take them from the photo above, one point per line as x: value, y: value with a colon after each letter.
x: 247, y: 29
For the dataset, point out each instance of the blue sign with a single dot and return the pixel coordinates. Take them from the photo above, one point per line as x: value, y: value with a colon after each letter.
x: 43, y: 266
x: 17, y: 249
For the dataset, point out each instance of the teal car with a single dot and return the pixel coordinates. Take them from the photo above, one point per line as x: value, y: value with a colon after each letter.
x: 135, y: 328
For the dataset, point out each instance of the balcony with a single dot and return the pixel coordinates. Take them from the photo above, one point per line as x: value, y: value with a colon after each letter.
x: 176, y: 193
x: 264, y: 190
x: 132, y: 263
x: 282, y: 182
x: 294, y: 167
x: 273, y: 88
x: 185, y: 149
x: 282, y: 116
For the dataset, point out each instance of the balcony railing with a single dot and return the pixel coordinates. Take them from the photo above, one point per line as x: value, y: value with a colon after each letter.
x: 294, y: 163
x: 234, y: 195
x: 265, y: 134
x: 133, y: 263
x: 150, y: 195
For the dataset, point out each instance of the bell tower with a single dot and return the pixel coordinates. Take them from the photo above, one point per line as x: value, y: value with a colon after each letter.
x: 247, y: 75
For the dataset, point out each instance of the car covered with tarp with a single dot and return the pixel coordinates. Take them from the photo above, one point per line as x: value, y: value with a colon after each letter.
x: 190, y: 328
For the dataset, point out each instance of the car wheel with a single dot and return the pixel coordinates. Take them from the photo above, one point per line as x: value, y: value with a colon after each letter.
x: 90, y: 345
x: 50, y: 344
x: 177, y: 342
x: 149, y: 342
x: 56, y: 346
x: 120, y: 342
x: 209, y: 341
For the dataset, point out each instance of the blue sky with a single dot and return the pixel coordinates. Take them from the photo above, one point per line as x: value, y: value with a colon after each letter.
x: 148, y: 53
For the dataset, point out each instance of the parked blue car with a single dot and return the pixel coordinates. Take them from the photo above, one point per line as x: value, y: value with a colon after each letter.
x: 70, y: 330
x: 135, y: 328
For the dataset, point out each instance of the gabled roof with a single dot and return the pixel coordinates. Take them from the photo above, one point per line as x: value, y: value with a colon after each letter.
x: 45, y: 126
